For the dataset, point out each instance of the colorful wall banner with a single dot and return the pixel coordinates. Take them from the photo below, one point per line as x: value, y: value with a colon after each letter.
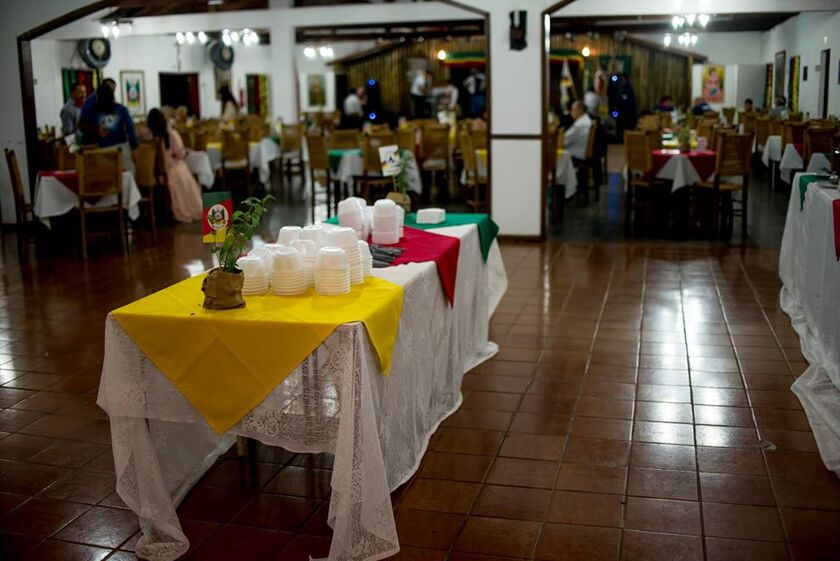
x: 218, y: 209
x: 768, y: 85
x: 793, y: 84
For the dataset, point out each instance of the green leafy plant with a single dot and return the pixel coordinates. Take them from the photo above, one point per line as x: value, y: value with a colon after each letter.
x: 401, y: 179
x: 243, y: 225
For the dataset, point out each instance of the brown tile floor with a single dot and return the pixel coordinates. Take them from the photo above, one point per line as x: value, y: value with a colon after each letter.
x: 621, y: 420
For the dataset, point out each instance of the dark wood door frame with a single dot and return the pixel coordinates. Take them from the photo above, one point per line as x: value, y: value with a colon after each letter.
x: 27, y: 82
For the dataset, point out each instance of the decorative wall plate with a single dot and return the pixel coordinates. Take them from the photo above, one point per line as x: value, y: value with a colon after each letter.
x: 95, y: 52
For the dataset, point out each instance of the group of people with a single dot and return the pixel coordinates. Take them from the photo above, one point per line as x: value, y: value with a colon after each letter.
x: 100, y: 120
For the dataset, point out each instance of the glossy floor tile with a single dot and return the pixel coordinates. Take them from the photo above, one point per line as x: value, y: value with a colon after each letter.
x: 639, y: 408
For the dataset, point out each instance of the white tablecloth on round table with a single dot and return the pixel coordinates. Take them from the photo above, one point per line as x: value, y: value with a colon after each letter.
x: 200, y: 166
x: 335, y: 401
x: 792, y: 161
x: 261, y: 154
x: 53, y: 198
x: 680, y: 171
x: 352, y: 165
x: 810, y: 295
x: 564, y: 171
x: 772, y: 151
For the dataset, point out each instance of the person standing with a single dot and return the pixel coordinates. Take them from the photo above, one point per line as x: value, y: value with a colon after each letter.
x: 476, y: 84
x: 184, y: 190
x: 353, y: 109
x: 72, y: 110
x: 230, y: 109
x: 419, y: 93
x: 575, y: 141
x: 107, y: 123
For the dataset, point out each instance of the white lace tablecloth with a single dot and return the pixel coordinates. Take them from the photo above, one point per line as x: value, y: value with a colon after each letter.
x: 261, y: 154
x: 792, y: 161
x: 810, y: 295
x: 53, y: 198
x: 199, y: 164
x: 335, y: 401
x: 352, y: 164
x: 772, y: 151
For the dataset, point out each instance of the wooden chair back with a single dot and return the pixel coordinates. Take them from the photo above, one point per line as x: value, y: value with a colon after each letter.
x: 372, y: 163
x: 706, y: 130
x: 748, y: 120
x: 666, y: 119
x: 775, y: 127
x: 762, y: 130
x: 719, y: 131
x: 654, y: 139
x: 795, y: 116
x: 406, y: 139
x: 729, y: 115
x: 319, y: 159
x: 100, y: 172
x: 63, y: 158
x: 818, y: 140
x: 733, y: 154
x: 199, y: 140
x: 17, y: 186
x: 434, y: 143
x: 465, y: 144
x: 380, y: 128
x: 344, y: 139
x: 793, y: 132
x: 479, y: 139
x: 638, y: 152
x: 291, y: 137
x: 590, y: 141
x: 235, y: 146
x: 649, y: 122
x: 145, y: 157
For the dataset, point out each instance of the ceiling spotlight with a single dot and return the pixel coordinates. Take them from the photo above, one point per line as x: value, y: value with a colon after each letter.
x: 677, y: 22
x: 326, y: 51
x: 693, y: 40
x: 179, y: 38
x: 402, y: 39
x: 309, y: 52
x: 215, y: 2
x: 585, y: 51
x: 226, y: 40
x: 190, y: 37
x: 255, y: 38
x: 703, y: 19
x: 106, y: 31
x: 234, y: 36
x: 441, y: 55
x: 690, y: 18
x: 115, y: 30
x: 202, y: 37
x: 246, y: 39
x: 667, y: 40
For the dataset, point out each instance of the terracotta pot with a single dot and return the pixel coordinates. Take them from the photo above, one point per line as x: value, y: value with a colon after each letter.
x: 223, y: 290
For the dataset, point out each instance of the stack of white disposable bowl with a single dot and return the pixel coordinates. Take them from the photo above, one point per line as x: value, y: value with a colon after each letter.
x: 345, y: 238
x: 256, y: 276
x: 367, y: 258
x: 401, y: 212
x: 308, y: 251
x: 288, y: 234
x: 288, y: 276
x: 332, y: 272
x: 386, y: 222
x: 352, y: 214
x: 316, y: 233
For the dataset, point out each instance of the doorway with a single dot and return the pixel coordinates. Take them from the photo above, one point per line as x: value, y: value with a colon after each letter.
x: 825, y: 76
x: 180, y: 89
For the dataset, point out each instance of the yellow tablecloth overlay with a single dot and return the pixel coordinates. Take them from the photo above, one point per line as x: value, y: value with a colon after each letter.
x: 226, y: 362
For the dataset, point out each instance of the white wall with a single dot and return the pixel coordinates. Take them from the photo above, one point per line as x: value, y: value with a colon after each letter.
x: 740, y: 82
x: 737, y: 47
x: 806, y: 35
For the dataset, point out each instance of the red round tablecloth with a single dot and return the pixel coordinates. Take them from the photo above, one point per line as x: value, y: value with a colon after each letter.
x: 702, y: 160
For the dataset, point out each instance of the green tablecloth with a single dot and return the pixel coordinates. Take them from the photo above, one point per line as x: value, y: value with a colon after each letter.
x: 806, y: 179
x: 336, y: 154
x: 487, y: 229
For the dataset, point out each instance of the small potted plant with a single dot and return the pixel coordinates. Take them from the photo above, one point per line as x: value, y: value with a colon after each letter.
x: 400, y: 193
x: 222, y: 286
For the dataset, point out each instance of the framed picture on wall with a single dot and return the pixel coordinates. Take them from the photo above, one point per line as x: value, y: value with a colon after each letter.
x: 713, y: 83
x: 779, y: 74
x: 133, y: 91
x: 316, y: 90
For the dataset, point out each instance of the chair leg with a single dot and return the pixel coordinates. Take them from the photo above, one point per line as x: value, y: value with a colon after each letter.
x: 312, y: 195
x: 744, y: 211
x: 714, y: 222
x: 152, y: 211
x: 123, y: 231
x: 83, y: 228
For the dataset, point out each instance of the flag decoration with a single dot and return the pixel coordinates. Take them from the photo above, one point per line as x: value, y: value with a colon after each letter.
x: 257, y: 86
x: 768, y: 85
x: 218, y: 210
x: 567, y: 85
x: 72, y: 76
x: 793, y: 84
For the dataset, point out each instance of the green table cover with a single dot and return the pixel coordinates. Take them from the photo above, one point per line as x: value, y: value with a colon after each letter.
x: 804, y: 180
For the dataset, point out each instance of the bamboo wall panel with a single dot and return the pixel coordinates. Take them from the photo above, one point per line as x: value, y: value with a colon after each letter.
x: 391, y: 68
x: 654, y: 72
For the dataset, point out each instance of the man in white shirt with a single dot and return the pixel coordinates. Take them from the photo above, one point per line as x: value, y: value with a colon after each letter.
x: 592, y: 102
x: 353, y: 111
x: 419, y: 91
x: 577, y: 136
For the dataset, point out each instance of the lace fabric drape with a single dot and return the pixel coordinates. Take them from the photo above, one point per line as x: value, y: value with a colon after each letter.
x: 335, y: 401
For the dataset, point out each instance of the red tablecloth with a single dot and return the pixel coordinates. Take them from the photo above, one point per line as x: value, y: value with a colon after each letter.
x: 423, y: 246
x: 702, y: 160
x: 800, y: 148
x: 836, y: 208
x: 68, y: 177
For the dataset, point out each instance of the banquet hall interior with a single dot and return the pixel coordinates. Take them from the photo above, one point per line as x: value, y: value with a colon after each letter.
x: 445, y: 280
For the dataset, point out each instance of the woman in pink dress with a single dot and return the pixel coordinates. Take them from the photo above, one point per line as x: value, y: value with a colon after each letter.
x: 184, y: 190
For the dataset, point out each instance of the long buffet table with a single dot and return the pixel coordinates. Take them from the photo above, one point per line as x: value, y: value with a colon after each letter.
x: 810, y: 273
x: 336, y: 401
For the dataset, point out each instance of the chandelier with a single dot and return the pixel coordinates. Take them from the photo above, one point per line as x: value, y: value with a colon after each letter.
x: 685, y: 24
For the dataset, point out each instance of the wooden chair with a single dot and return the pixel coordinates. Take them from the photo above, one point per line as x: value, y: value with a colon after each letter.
x: 649, y: 122
x: 434, y: 154
x: 717, y: 132
x: 24, y: 215
x: 379, y: 128
x: 344, y: 139
x: 407, y: 139
x: 640, y: 177
x: 472, y: 180
x: 817, y: 140
x: 793, y: 132
x: 775, y: 127
x: 588, y: 164
x: 729, y: 115
x: 795, y: 117
x: 666, y: 120
x: 320, y: 172
x: 762, y: 131
x: 100, y: 175
x: 706, y: 130
x: 733, y: 159
x: 146, y: 164
x: 479, y: 140
x: 63, y: 158
x: 372, y: 177
x: 291, y: 148
x: 747, y: 120
x: 654, y: 139
x: 236, y: 156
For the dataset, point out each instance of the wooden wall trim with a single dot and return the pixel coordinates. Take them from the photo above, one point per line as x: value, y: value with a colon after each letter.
x: 516, y: 136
